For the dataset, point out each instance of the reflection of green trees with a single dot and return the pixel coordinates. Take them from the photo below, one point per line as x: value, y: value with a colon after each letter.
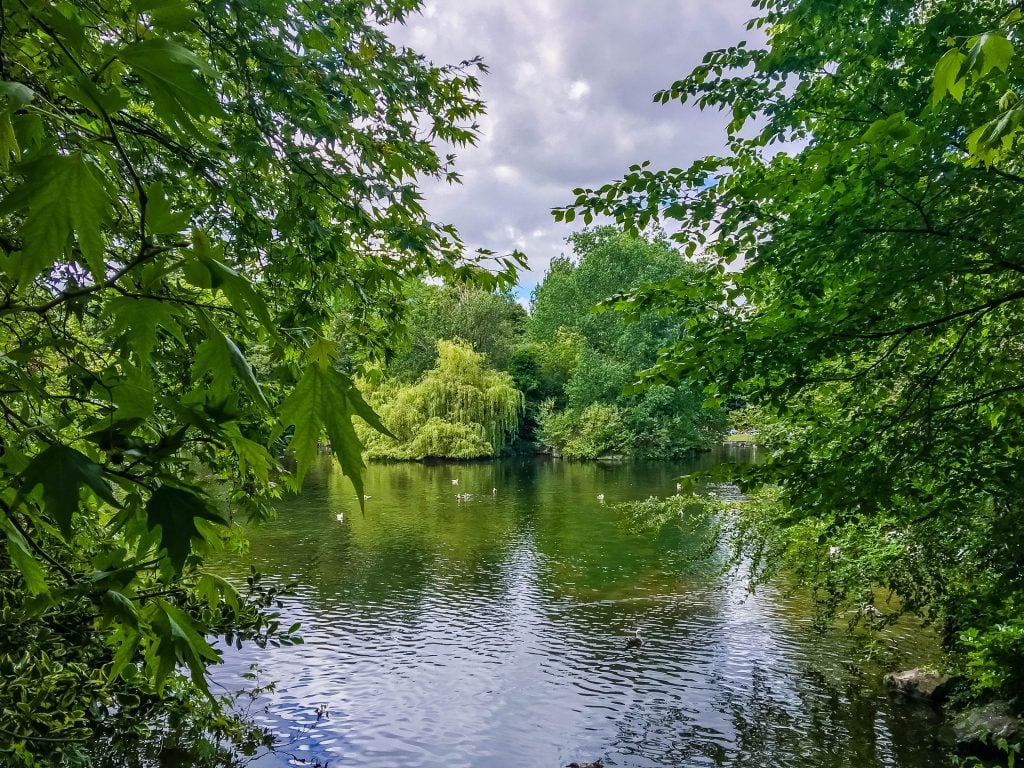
x: 544, y: 552
x: 412, y: 534
x: 414, y: 530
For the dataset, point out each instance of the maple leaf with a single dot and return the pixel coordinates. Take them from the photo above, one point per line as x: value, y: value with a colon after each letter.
x: 62, y: 196
x: 175, y: 511
x: 62, y: 471
x: 322, y: 402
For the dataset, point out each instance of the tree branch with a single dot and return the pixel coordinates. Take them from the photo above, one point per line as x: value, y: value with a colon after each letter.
x: 36, y: 547
x: 934, y: 323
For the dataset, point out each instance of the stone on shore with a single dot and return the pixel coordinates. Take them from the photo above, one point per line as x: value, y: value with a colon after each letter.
x: 983, y: 727
x: 918, y: 684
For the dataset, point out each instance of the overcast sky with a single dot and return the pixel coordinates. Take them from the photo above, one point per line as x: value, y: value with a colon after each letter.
x: 568, y: 104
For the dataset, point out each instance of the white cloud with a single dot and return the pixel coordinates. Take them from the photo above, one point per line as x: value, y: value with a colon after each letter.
x: 568, y: 104
x: 578, y: 90
x: 505, y: 173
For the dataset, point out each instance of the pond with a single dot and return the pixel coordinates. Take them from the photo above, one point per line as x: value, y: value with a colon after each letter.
x: 491, y: 631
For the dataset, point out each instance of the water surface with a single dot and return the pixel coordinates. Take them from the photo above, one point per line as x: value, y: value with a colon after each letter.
x: 490, y: 632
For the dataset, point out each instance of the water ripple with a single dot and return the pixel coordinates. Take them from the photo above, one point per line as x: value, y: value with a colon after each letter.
x: 492, y: 633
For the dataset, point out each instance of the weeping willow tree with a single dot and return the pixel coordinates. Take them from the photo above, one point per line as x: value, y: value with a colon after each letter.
x: 460, y: 409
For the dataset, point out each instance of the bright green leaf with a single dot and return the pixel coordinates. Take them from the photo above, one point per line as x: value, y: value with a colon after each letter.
x: 320, y: 404
x: 947, y: 78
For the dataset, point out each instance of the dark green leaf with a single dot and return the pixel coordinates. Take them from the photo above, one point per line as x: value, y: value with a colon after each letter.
x: 62, y: 471
x: 175, y: 511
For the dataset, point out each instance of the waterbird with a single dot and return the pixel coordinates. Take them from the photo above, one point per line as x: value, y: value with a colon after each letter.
x: 679, y: 487
x: 600, y: 497
x: 596, y: 764
x: 494, y: 491
x: 340, y: 517
x: 455, y: 481
x: 635, y: 641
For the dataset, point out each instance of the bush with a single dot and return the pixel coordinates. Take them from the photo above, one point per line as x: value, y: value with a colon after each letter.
x: 595, y: 431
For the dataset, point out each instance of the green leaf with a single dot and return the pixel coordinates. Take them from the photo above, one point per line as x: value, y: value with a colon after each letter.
x: 363, y: 410
x: 126, y: 643
x: 321, y: 403
x: 894, y: 127
x: 245, y: 375
x: 947, y: 76
x: 214, y: 587
x: 118, y: 606
x: 174, y: 511
x: 173, y: 76
x: 62, y: 471
x: 160, y: 218
x: 136, y: 322
x: 116, y: 434
x: 251, y: 455
x: 8, y: 141
x: 178, y: 641
x: 133, y: 395
x: 204, y: 270
x: 223, y: 360
x: 172, y: 15
x: 996, y: 52
x: 17, y: 95
x: 62, y: 196
x: 28, y: 566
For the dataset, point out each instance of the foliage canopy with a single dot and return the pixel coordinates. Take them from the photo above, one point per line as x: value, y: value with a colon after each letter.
x: 871, y: 193
x: 186, y: 185
x: 493, y: 323
x: 593, y: 357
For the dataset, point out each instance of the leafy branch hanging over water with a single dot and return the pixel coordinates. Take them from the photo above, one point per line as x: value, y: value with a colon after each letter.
x: 187, y: 187
x: 869, y: 208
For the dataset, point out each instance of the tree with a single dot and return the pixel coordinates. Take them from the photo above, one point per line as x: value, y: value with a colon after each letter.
x: 491, y: 322
x: 460, y: 409
x: 871, y: 193
x: 183, y: 184
x: 601, y: 353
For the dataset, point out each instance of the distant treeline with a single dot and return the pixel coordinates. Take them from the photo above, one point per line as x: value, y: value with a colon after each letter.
x: 479, y: 375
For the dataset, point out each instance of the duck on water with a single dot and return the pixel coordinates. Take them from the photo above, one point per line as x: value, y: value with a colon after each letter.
x: 635, y: 642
